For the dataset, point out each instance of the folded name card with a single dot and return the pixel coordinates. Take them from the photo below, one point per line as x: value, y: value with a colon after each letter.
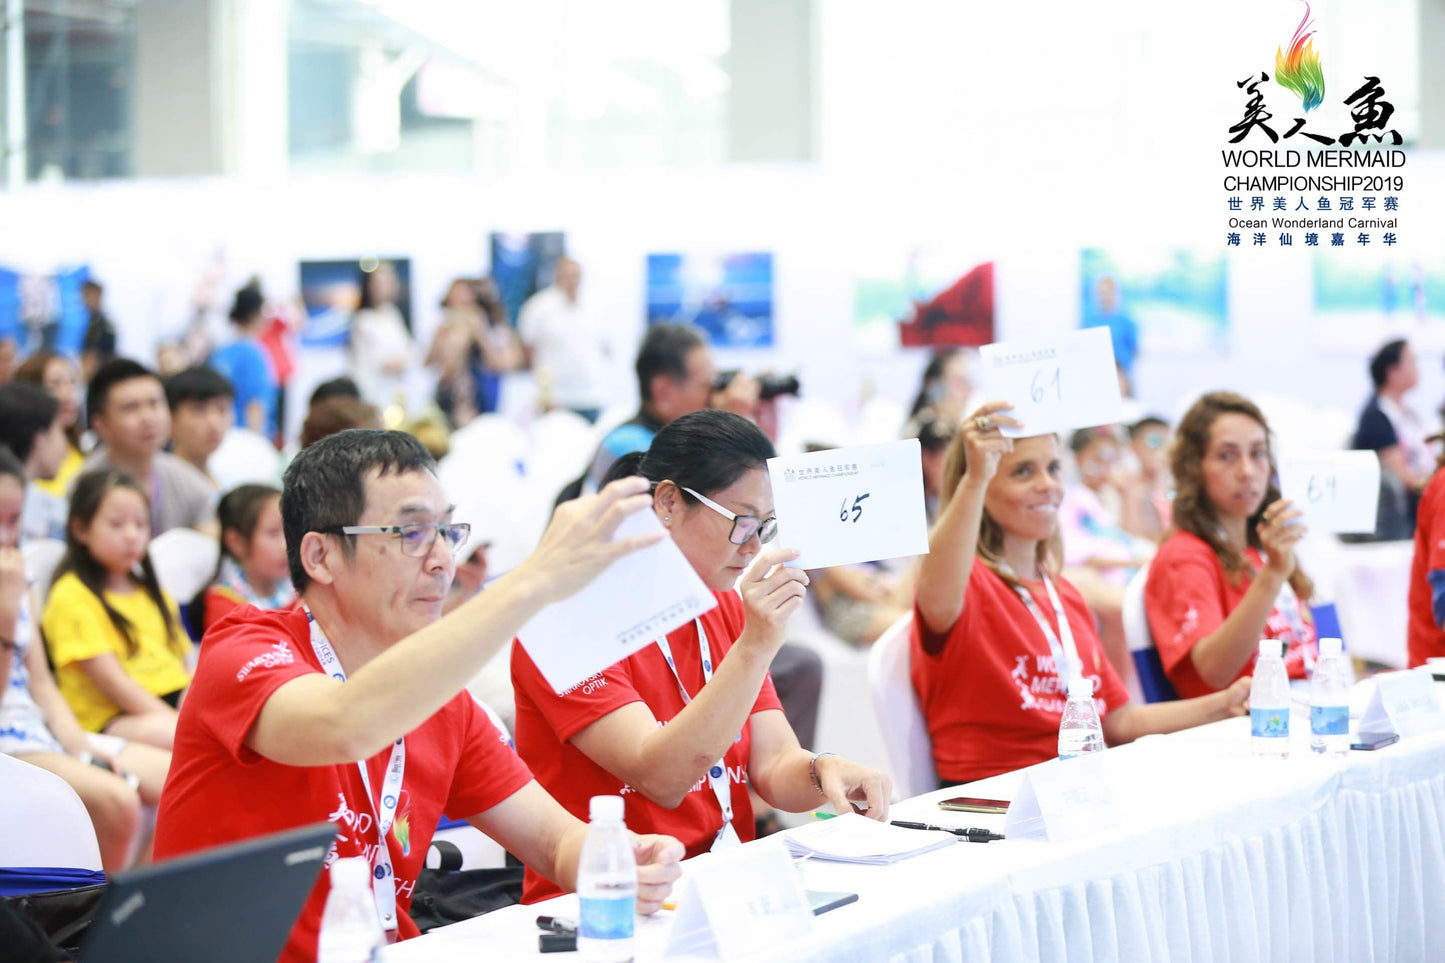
x: 1054, y: 386
x: 739, y: 902
x: 1063, y: 799
x: 1405, y: 703
x: 638, y: 598
x: 1338, y: 491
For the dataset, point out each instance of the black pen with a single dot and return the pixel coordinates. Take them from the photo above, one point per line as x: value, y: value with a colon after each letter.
x: 972, y: 835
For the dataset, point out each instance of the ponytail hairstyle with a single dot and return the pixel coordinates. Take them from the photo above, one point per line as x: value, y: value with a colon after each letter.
x: 85, y: 500
x: 706, y: 451
x: 1194, y: 513
x: 239, y: 511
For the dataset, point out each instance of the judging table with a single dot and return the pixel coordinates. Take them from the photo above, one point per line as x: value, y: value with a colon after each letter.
x: 1220, y: 856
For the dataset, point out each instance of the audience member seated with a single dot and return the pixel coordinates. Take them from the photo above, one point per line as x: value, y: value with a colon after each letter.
x: 1395, y: 433
x: 692, y: 722
x: 1227, y: 576
x: 200, y: 400
x: 997, y: 633
x: 114, y: 635
x: 1149, y: 441
x: 127, y: 407
x: 36, y: 724
x: 1099, y: 555
x: 858, y: 602
x: 32, y: 428
x: 252, y: 568
x: 285, y: 703
x: 246, y: 364
x: 60, y: 378
x: 335, y: 414
x: 943, y: 392
x: 935, y: 434
x: 1427, y: 574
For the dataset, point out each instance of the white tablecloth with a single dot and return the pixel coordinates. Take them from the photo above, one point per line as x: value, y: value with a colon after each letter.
x: 1221, y: 857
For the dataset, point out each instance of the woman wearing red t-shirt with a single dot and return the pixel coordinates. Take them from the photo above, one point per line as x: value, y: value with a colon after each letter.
x: 1227, y: 577
x: 684, y: 727
x: 997, y: 633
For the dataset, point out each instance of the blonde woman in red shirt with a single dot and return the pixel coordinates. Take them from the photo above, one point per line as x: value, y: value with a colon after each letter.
x: 997, y: 632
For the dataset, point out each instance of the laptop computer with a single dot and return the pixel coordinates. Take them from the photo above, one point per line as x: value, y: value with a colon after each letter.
x: 230, y: 904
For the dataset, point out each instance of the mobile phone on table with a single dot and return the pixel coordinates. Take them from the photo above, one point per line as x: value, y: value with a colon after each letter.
x: 1370, y: 741
x: 973, y: 804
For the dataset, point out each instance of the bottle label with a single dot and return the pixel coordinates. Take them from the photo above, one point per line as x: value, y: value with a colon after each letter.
x: 606, y: 919
x: 1330, y: 720
x: 1270, y: 723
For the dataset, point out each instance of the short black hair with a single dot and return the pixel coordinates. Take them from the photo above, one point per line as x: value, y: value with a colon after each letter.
x: 197, y: 383
x: 248, y: 302
x: 664, y: 351
x: 325, y: 484
x: 91, y: 284
x: 342, y: 387
x: 10, y: 465
x: 1386, y: 358
x: 107, y: 376
x: 1145, y: 423
x: 26, y: 410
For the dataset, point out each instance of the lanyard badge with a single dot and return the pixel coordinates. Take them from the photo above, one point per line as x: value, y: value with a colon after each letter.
x: 383, y: 877
x: 717, y: 774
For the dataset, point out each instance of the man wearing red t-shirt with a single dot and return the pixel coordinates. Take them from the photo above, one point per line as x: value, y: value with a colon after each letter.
x: 546, y: 723
x: 283, y: 703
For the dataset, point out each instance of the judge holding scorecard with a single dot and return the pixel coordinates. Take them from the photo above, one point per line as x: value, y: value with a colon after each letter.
x: 998, y: 634
x: 682, y: 727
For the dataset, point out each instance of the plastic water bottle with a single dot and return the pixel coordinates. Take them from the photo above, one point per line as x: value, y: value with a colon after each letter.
x: 1269, y: 702
x: 1330, y: 701
x: 350, y: 931
x: 1080, y: 730
x: 606, y: 886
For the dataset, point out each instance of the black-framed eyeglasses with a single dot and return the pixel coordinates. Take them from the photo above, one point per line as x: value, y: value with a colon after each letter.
x: 744, y: 526
x: 417, y: 538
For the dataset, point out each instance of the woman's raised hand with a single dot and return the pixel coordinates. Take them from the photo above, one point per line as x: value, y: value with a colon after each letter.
x: 984, y: 443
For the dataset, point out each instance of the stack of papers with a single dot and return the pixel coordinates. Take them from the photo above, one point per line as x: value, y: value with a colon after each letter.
x: 858, y: 839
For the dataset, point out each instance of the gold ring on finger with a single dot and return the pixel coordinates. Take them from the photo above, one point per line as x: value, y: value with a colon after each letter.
x: 983, y: 422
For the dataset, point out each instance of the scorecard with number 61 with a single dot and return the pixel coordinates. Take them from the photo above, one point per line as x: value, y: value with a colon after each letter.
x: 1056, y: 386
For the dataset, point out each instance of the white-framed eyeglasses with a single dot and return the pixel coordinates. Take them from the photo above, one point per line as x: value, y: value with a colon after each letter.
x: 417, y: 538
x: 744, y: 526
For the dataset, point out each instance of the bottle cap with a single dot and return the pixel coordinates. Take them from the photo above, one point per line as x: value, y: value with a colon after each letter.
x: 1271, y: 649
x: 350, y: 872
x: 1331, y: 647
x: 1081, y: 688
x: 608, y: 808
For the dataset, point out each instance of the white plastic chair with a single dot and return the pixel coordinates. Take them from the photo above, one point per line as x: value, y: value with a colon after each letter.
x: 41, y: 557
x: 184, y: 560
x: 900, y: 718
x: 1154, y: 685
x: 562, y: 447
x: 46, y: 824
x: 244, y: 457
x: 490, y: 440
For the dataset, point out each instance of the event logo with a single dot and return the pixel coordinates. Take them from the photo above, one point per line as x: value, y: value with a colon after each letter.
x: 1264, y: 184
x: 1299, y: 70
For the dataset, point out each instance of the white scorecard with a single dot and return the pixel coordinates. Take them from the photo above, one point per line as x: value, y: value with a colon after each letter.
x: 850, y: 505
x: 638, y: 598
x: 1055, y: 386
x: 1338, y: 491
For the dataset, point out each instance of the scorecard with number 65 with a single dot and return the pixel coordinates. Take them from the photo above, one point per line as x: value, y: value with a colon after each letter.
x: 851, y: 505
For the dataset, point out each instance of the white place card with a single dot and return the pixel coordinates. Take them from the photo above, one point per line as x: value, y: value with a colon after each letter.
x: 1404, y: 703
x: 1063, y: 799
x: 1337, y: 490
x: 1054, y: 386
x: 639, y: 597
x: 849, y: 505
x: 737, y: 903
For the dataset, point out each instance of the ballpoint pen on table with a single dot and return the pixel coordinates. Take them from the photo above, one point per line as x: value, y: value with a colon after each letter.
x: 972, y: 835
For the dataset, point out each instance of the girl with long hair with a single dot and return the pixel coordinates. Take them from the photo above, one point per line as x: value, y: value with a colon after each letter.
x: 998, y: 634
x: 252, y: 568
x: 1227, y: 576
x: 114, y: 635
